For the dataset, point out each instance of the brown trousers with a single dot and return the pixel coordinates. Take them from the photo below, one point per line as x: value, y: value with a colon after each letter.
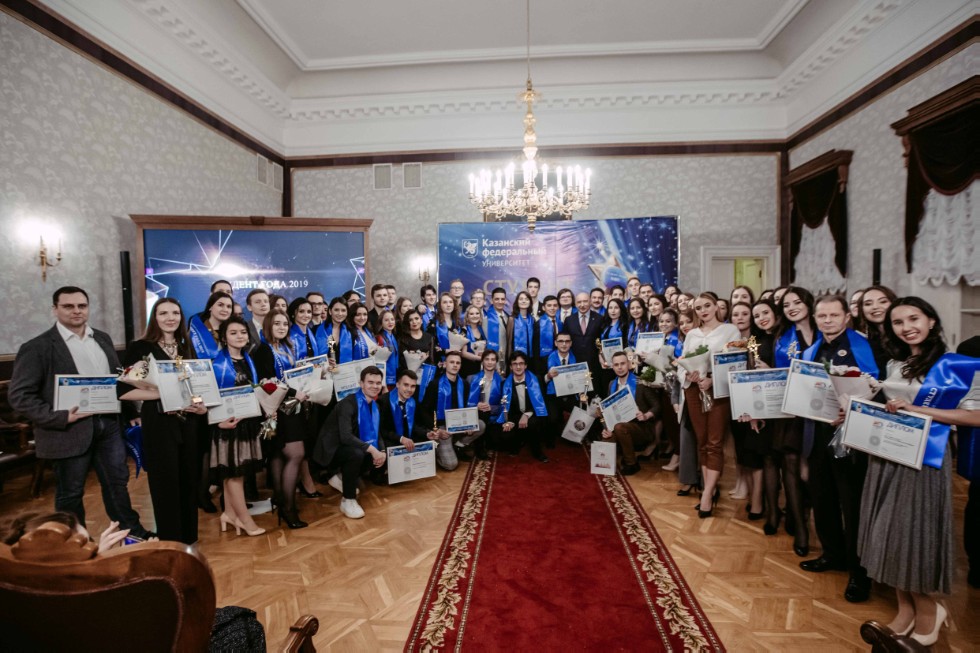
x: 632, y: 435
x: 709, y: 428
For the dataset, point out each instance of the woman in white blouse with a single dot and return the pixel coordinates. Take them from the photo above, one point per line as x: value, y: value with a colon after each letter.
x: 709, y: 427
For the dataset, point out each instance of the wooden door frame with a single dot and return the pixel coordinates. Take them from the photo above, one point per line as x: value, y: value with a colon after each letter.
x: 770, y: 253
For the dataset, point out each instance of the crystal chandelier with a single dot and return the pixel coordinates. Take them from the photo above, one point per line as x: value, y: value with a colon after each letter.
x: 496, y: 194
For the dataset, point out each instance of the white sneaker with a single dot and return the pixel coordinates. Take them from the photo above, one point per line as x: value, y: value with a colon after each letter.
x: 351, y: 508
x: 337, y: 483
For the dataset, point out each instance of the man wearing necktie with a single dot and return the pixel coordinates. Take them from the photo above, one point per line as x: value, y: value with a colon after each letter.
x: 449, y: 392
x: 558, y: 406
x: 546, y: 329
x: 584, y: 326
x: 400, y: 424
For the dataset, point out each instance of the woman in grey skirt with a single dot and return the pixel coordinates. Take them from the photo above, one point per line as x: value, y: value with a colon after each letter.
x: 905, y: 534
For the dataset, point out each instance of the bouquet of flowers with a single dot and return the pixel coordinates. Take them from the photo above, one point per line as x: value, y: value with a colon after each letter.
x: 649, y: 377
x: 699, y: 361
x: 138, y: 374
x: 851, y: 383
x: 414, y: 360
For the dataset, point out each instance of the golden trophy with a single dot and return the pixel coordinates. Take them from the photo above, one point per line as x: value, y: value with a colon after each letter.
x: 184, y: 374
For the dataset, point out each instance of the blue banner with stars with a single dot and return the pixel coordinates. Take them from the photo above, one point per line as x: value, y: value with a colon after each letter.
x: 580, y: 255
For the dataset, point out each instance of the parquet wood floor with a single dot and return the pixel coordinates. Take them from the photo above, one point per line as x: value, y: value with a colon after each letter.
x: 363, y: 579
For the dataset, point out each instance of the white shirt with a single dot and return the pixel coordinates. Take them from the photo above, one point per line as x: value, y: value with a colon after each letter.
x: 258, y: 326
x: 89, y: 358
x: 715, y: 340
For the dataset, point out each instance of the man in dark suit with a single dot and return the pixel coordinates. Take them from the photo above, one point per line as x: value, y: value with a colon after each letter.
x: 585, y: 326
x: 379, y: 299
x: 257, y: 302
x: 73, y: 440
x: 400, y: 423
x: 347, y: 444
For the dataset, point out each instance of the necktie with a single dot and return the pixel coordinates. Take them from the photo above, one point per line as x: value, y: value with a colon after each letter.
x: 406, y: 431
x: 584, y: 321
x: 564, y: 361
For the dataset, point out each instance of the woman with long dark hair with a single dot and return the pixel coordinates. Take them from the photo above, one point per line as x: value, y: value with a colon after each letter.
x: 387, y: 338
x: 171, y: 451
x: 235, y: 447
x: 445, y: 321
x: 363, y: 343
x: 272, y: 359
x: 797, y: 331
x: 874, y: 303
x: 520, y: 329
x: 905, y: 536
x: 339, y: 341
x: 639, y: 320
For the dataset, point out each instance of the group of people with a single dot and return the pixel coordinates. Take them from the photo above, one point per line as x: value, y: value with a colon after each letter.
x: 875, y: 519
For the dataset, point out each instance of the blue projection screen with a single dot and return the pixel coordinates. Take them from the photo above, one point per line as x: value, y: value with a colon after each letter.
x: 183, y: 263
x: 579, y: 254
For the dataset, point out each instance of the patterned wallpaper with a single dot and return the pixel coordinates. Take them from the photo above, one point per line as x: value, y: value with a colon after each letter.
x: 720, y: 200
x: 876, y: 181
x: 82, y: 149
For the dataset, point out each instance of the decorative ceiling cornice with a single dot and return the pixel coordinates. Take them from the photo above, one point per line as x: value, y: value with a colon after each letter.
x: 840, y: 39
x: 187, y: 29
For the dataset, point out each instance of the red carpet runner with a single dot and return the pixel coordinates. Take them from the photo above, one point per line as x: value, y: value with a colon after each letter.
x: 547, y: 556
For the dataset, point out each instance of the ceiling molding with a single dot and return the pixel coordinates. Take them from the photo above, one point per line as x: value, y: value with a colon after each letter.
x: 844, y: 36
x: 275, y: 32
x: 606, y: 97
x: 187, y: 29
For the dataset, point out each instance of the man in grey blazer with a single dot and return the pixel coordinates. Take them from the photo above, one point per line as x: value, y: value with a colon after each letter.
x: 73, y: 440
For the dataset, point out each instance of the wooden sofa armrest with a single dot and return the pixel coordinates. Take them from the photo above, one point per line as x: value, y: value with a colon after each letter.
x: 300, y: 637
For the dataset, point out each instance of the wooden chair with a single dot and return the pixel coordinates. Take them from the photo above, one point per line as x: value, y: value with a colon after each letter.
x: 155, y: 596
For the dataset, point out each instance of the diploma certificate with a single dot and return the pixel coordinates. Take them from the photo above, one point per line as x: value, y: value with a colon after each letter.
x: 347, y: 376
x: 810, y: 393
x: 603, y: 458
x: 758, y: 393
x: 721, y: 365
x: 900, y: 437
x: 618, y: 407
x: 239, y: 402
x: 405, y: 465
x: 175, y: 393
x: 302, y: 379
x: 650, y: 342
x: 92, y: 394
x: 609, y: 347
x: 572, y: 379
x: 460, y: 420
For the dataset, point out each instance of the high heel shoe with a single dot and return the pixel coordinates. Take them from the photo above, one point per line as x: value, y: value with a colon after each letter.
x: 930, y: 638
x: 714, y: 499
x: 309, y: 495
x: 291, y: 518
x: 756, y: 516
x: 238, y: 524
x: 227, y: 520
x: 684, y: 491
x: 772, y: 529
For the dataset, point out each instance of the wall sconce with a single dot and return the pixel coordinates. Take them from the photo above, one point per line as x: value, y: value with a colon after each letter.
x: 45, y: 260
x: 424, y: 265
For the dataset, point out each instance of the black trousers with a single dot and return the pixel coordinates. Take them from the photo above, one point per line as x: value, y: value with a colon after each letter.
x: 352, y: 461
x: 557, y: 406
x: 517, y: 437
x: 971, y: 526
x: 835, y: 486
x: 173, y: 461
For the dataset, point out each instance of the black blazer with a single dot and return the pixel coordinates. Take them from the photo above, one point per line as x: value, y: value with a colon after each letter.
x: 583, y: 344
x: 31, y: 393
x: 340, y: 429
x: 388, y: 417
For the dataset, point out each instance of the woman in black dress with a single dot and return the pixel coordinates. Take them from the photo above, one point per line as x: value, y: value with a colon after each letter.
x: 235, y: 447
x: 413, y: 339
x: 272, y: 359
x: 170, y: 448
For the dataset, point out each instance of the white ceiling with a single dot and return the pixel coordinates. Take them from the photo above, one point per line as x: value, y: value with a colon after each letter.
x: 321, y: 35
x: 310, y: 77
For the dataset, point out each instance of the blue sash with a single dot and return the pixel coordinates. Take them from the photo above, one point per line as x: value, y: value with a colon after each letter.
x: 300, y: 339
x: 442, y: 334
x: 203, y: 342
x: 944, y: 387
x: 612, y: 331
x: 368, y: 419
x: 391, y: 367
x: 446, y: 395
x: 396, y: 414
x: 547, y: 328
x: 533, y: 392
x: 359, y: 348
x: 427, y: 315
x: 634, y: 332
x: 283, y: 360
x: 523, y: 333
x: 224, y: 369
x: 493, y: 328
x: 426, y: 373
x: 345, y: 348
x: 554, y: 360
x: 476, y: 391
x: 859, y: 347
x: 630, y: 381
x: 473, y: 337
x: 673, y: 339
